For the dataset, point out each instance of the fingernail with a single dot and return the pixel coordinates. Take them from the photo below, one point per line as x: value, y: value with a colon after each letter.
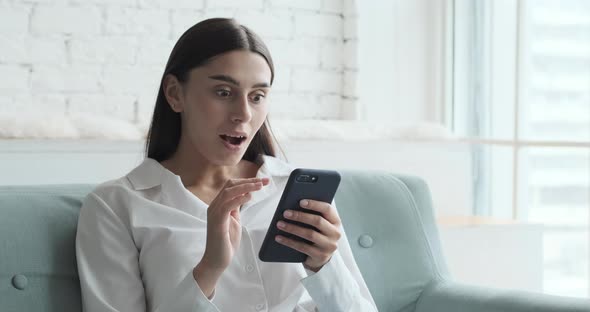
x: 278, y: 238
x: 288, y: 213
x: 304, y: 202
x: 281, y: 224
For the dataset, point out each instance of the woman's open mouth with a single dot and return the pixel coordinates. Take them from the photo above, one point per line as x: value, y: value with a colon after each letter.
x: 233, y: 143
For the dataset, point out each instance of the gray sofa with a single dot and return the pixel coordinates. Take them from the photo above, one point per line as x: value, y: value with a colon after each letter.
x: 388, y: 218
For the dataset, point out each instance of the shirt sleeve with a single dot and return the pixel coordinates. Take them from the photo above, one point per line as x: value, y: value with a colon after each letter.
x: 339, y: 285
x: 108, y: 267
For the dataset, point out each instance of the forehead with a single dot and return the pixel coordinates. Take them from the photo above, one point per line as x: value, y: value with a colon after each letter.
x: 244, y: 66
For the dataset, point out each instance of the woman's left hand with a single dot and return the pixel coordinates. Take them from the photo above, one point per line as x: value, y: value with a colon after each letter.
x: 325, y: 239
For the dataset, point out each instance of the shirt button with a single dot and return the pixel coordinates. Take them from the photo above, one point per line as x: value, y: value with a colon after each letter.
x: 260, y: 306
x: 249, y: 268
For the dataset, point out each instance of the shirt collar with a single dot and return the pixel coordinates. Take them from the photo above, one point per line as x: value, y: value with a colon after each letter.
x: 150, y: 172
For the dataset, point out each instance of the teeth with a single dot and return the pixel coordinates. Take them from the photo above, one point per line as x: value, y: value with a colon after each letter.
x: 239, y: 136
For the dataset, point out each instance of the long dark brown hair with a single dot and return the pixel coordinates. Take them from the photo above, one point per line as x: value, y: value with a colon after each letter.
x: 195, y: 48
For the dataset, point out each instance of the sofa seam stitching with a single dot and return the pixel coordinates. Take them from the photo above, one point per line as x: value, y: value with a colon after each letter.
x: 434, y: 266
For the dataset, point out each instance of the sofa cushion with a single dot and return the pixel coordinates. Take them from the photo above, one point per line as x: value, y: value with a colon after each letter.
x: 37, y: 242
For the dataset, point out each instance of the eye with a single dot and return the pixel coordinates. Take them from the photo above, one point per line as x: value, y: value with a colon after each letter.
x: 257, y: 98
x: 223, y: 93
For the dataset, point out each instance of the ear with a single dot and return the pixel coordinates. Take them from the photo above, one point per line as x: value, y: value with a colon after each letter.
x: 173, y: 92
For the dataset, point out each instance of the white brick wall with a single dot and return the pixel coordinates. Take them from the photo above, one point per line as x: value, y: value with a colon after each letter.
x: 106, y: 56
x: 47, y: 20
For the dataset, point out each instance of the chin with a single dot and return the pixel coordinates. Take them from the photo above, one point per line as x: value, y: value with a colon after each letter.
x: 227, y: 159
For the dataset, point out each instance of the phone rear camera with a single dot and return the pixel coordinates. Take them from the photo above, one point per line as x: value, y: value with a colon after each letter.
x: 303, y: 178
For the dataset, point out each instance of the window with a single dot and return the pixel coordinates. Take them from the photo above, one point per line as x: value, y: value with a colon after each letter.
x: 521, y: 95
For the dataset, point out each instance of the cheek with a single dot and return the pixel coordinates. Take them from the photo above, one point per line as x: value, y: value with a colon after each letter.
x: 201, y: 115
x: 260, y: 115
x: 203, y: 103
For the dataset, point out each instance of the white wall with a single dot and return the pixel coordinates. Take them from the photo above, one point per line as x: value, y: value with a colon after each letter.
x: 401, y: 60
x: 107, y: 56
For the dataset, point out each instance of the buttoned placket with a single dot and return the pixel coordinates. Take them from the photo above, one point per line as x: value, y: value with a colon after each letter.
x: 251, y: 268
x: 252, y: 271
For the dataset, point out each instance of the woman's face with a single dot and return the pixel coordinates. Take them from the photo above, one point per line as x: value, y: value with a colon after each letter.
x: 223, y: 104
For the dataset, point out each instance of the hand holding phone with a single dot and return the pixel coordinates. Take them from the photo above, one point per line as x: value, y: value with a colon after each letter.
x: 311, y: 233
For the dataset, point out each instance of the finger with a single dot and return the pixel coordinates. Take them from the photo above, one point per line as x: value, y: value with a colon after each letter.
x: 327, y: 210
x: 229, y: 207
x: 237, y: 202
x: 234, y: 189
x: 319, y: 222
x: 229, y: 193
x: 234, y: 182
x: 235, y: 213
x: 312, y: 251
x: 320, y: 240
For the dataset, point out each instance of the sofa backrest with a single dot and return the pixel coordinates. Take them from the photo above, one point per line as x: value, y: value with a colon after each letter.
x: 388, y: 220
x: 37, y: 247
x: 391, y: 229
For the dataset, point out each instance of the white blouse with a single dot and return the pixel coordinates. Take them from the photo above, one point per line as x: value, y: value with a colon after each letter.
x: 140, y: 236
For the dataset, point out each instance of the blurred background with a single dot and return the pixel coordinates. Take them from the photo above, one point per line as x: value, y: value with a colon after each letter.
x: 488, y: 101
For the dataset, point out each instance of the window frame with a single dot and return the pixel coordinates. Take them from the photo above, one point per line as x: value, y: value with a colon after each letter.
x: 504, y: 97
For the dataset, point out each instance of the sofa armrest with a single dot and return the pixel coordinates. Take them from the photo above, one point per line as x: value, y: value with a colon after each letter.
x: 451, y: 297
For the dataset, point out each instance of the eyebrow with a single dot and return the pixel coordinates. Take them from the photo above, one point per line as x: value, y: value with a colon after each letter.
x: 231, y: 80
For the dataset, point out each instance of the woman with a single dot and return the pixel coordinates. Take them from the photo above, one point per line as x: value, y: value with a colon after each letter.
x: 181, y: 231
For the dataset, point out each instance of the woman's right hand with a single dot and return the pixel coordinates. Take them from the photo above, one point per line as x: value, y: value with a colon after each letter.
x: 224, y: 230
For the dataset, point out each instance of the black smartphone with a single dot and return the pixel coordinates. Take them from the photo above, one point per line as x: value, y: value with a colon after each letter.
x: 314, y: 184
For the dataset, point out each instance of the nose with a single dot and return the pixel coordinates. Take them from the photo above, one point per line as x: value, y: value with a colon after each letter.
x: 241, y: 110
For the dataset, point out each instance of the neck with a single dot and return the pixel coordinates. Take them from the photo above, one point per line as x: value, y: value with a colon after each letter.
x: 197, y: 171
